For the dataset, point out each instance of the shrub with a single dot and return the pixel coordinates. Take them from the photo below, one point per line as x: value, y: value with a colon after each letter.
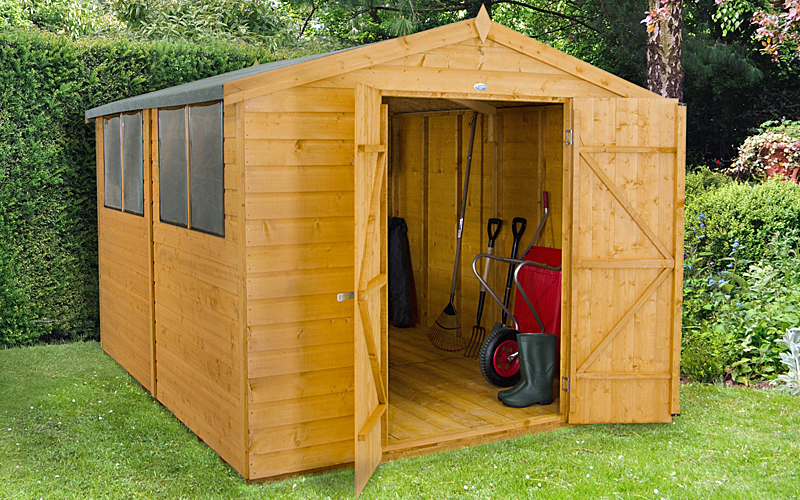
x: 702, y: 180
x: 774, y: 150
x: 739, y: 212
x: 48, y: 214
x: 736, y: 315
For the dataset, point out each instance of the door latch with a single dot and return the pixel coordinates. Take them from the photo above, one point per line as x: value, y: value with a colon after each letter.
x: 345, y: 296
x: 568, y: 137
x: 565, y: 384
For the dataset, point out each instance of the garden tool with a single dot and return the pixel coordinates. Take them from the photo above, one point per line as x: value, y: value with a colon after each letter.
x: 516, y: 232
x: 445, y: 334
x: 479, y: 332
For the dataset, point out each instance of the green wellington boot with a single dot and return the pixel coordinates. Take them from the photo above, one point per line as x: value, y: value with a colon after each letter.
x: 524, y: 381
x: 537, y: 365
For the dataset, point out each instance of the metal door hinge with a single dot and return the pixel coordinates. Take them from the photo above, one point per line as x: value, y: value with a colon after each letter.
x: 345, y: 296
x: 565, y: 384
x: 568, y: 137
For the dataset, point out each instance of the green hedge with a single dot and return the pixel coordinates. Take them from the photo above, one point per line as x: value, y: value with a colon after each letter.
x: 48, y: 214
x: 752, y: 214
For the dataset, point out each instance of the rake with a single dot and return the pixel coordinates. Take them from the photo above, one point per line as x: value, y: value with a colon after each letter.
x: 445, y: 334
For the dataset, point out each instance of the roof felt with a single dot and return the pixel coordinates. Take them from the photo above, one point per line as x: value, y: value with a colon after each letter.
x: 207, y: 89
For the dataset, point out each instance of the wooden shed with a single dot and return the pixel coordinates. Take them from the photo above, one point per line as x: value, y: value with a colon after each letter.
x: 237, y: 213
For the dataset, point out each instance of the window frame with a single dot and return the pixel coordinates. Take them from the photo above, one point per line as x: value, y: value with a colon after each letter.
x: 121, y: 136
x: 187, y: 148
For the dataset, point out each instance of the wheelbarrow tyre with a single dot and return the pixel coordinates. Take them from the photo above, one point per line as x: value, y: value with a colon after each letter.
x: 493, y: 358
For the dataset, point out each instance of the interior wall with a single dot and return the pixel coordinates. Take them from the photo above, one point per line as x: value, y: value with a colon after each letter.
x: 520, y: 150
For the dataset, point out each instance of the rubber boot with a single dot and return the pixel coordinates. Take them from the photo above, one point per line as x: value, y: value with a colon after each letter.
x: 537, y: 365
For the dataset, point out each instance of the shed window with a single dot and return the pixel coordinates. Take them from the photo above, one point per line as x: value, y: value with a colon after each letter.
x: 123, y: 163
x: 192, y: 167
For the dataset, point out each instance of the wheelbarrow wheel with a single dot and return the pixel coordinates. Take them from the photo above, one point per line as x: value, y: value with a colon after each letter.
x: 498, y: 358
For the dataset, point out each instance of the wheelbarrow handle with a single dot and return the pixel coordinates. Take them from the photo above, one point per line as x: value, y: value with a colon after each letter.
x: 519, y: 263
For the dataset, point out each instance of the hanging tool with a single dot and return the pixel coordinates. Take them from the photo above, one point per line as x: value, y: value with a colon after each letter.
x: 445, y: 333
x: 479, y: 332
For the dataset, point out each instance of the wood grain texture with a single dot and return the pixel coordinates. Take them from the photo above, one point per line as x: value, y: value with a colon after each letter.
x: 623, y: 274
x: 197, y: 282
x: 125, y: 286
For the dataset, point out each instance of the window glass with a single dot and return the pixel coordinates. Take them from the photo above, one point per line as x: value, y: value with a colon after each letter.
x: 206, y: 168
x: 111, y: 163
x: 172, y: 165
x: 132, y: 162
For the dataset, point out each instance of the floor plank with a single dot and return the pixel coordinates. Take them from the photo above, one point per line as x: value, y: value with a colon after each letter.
x: 437, y: 393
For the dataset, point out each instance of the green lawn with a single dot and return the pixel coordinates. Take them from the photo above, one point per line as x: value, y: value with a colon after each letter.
x: 73, y: 424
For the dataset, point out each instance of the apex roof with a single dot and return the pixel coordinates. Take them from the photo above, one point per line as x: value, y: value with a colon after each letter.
x: 271, y: 77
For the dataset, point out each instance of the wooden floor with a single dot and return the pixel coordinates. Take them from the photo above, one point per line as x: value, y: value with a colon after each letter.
x: 435, y: 393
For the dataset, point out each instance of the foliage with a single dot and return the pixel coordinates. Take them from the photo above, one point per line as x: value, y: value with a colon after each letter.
x: 779, y: 32
x: 790, y: 381
x: 73, y: 18
x: 741, y: 281
x: 737, y: 305
x: 703, y: 180
x: 251, y: 21
x: 48, y: 227
x: 775, y: 148
x: 749, y: 214
x: 139, y: 450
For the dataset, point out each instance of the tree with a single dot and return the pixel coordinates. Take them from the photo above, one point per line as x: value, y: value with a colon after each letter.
x: 665, y: 48
x: 779, y: 32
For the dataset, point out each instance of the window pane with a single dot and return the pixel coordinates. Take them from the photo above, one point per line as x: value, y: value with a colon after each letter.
x: 172, y: 165
x: 111, y: 163
x: 206, y: 168
x: 132, y: 161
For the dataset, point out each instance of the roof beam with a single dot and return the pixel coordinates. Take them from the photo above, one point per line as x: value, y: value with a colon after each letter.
x: 479, y: 106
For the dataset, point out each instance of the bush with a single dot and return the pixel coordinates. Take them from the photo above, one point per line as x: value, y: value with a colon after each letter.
x: 738, y: 212
x: 48, y: 214
x: 735, y: 316
x: 702, y: 180
x: 774, y: 150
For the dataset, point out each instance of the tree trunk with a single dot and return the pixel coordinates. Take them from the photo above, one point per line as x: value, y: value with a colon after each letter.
x: 664, y: 47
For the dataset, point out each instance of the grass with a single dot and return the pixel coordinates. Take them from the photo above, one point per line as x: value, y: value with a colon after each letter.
x: 75, y: 425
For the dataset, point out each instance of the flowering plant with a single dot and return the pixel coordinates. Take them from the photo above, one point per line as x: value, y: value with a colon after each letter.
x: 790, y: 381
x: 775, y: 150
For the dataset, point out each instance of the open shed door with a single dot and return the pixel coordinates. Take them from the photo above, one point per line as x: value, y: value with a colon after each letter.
x: 371, y: 316
x: 626, y: 259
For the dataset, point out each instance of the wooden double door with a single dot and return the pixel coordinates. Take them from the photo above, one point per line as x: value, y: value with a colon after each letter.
x: 622, y: 277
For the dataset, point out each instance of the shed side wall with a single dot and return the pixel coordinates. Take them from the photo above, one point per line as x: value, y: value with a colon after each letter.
x: 299, y: 234
x: 125, y: 312
x: 198, y: 338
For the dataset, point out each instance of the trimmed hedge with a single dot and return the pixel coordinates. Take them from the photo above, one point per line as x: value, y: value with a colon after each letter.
x: 752, y: 214
x: 48, y: 214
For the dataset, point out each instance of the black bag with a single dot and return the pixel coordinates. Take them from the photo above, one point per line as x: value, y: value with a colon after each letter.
x: 399, y: 273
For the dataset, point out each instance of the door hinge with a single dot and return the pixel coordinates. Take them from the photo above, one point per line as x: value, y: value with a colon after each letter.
x: 565, y: 384
x: 568, y: 137
x: 345, y: 296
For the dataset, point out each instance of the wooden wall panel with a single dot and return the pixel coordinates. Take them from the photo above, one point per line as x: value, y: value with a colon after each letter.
x: 299, y: 255
x: 125, y: 285
x: 198, y: 316
x: 521, y: 150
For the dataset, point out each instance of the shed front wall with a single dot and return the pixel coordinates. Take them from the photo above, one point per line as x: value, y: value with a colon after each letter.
x: 299, y: 232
